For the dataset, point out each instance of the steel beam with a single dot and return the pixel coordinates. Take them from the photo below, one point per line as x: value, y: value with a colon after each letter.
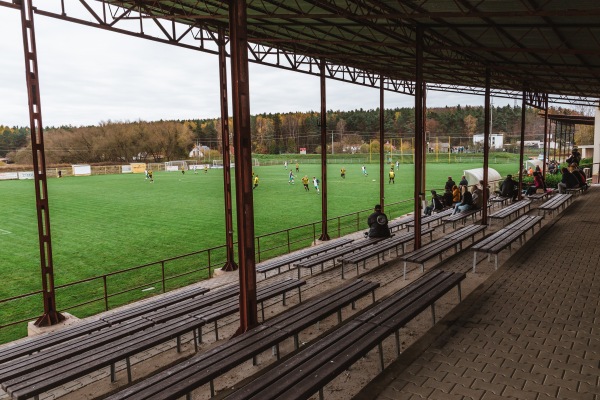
x: 381, y: 139
x: 486, y: 145
x: 522, y: 147
x: 243, y: 164
x: 51, y: 316
x: 230, y: 264
x: 418, y: 193
x: 324, y: 233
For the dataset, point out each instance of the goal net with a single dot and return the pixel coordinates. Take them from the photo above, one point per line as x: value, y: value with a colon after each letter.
x: 178, y: 165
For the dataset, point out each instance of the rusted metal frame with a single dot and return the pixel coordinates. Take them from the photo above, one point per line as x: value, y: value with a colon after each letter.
x: 243, y: 164
x: 323, y: 116
x: 51, y: 316
x: 536, y: 99
x: 381, y: 139
x: 91, y: 11
x: 522, y: 148
x: 418, y: 192
x: 486, y: 144
x: 230, y: 264
x: 545, y: 142
x: 576, y: 52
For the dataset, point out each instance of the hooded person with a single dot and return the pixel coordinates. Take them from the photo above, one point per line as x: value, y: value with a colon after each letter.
x: 378, y: 224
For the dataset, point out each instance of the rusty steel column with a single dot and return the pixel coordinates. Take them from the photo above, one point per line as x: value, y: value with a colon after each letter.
x: 324, y: 234
x: 545, y: 139
x: 486, y: 145
x: 522, y: 150
x: 243, y: 163
x: 381, y: 152
x: 230, y: 264
x: 50, y: 316
x: 425, y: 144
x: 418, y: 194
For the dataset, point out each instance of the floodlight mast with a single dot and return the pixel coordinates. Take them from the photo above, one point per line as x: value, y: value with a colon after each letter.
x: 50, y: 316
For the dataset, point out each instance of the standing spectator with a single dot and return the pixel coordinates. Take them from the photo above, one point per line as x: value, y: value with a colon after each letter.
x: 568, y: 181
x: 575, y: 157
x: 508, y: 188
x: 378, y: 224
x: 449, y: 184
x: 436, y: 203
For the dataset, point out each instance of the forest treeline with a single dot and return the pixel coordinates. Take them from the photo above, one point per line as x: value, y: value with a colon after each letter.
x: 271, y: 134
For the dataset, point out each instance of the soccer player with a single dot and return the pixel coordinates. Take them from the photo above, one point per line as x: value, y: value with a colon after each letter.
x: 343, y: 173
x: 205, y: 168
x: 255, y: 182
x: 297, y: 167
x: 182, y: 170
x: 364, y: 171
x: 146, y: 173
x: 392, y: 175
x: 285, y: 164
x: 397, y: 165
x: 305, y: 183
x: 291, y: 178
x: 150, y: 176
x: 316, y: 184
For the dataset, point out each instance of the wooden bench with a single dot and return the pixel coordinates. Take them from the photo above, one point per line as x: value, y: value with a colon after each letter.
x: 203, y: 368
x: 459, y: 217
x: 557, y: 202
x: 538, y: 196
x: 335, y: 254
x: 507, y: 212
x: 81, y: 330
x: 287, y: 260
x: 441, y: 245
x: 504, y: 238
x: 576, y: 191
x: 380, y: 248
x: 34, y: 379
x: 429, y: 219
x: 400, y: 223
x: 499, y: 200
x: 310, y: 369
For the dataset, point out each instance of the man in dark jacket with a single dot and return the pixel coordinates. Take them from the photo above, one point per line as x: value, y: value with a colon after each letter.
x: 378, y: 224
x: 509, y: 188
x: 569, y: 181
x: 449, y: 184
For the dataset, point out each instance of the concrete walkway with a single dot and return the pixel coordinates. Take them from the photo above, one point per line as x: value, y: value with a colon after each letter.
x: 531, y: 331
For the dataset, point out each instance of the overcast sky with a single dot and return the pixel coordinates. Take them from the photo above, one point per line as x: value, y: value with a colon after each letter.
x: 88, y: 75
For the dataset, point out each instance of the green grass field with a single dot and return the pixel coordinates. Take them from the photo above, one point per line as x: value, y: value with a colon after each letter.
x: 107, y: 223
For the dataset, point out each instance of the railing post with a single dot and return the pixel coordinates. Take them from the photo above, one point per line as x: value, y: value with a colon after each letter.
x: 288, y: 240
x: 162, y: 267
x: 105, y: 293
x: 358, y: 220
x: 258, y: 247
x: 339, y: 227
x: 314, y: 233
x: 209, y: 265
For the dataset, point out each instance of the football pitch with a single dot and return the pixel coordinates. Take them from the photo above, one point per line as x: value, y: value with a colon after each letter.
x: 105, y: 223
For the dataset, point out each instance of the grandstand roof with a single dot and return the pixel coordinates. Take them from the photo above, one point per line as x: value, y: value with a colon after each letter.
x: 548, y: 47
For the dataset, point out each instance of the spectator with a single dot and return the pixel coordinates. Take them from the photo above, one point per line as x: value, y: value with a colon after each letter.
x: 477, y: 197
x: 486, y: 191
x: 509, y: 188
x: 575, y: 157
x: 578, y: 173
x: 378, y: 224
x: 448, y: 198
x: 569, y: 181
x: 436, y: 203
x: 538, y: 183
x: 466, y: 203
x: 449, y: 184
x: 463, y: 184
x: 455, y: 195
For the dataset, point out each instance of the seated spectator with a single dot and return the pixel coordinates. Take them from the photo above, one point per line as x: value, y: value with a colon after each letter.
x: 569, y: 181
x: 448, y: 198
x: 538, y: 183
x: 436, y: 203
x: 449, y: 184
x: 477, y: 197
x: 378, y: 224
x: 486, y: 192
x: 578, y: 173
x: 466, y: 203
x: 509, y: 188
x: 455, y: 195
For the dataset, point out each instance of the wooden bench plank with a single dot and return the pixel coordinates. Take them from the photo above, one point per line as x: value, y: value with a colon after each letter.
x: 204, y: 367
x: 381, y: 247
x: 495, y: 243
x: 269, y: 265
x: 558, y: 201
x: 509, y: 211
x: 309, y: 370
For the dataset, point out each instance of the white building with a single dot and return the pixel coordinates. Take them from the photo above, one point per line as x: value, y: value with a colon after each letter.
x: 496, y: 140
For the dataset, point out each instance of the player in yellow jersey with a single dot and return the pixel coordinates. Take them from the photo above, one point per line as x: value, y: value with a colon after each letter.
x: 343, y: 173
x: 392, y: 175
x: 305, y: 183
x: 255, y: 182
